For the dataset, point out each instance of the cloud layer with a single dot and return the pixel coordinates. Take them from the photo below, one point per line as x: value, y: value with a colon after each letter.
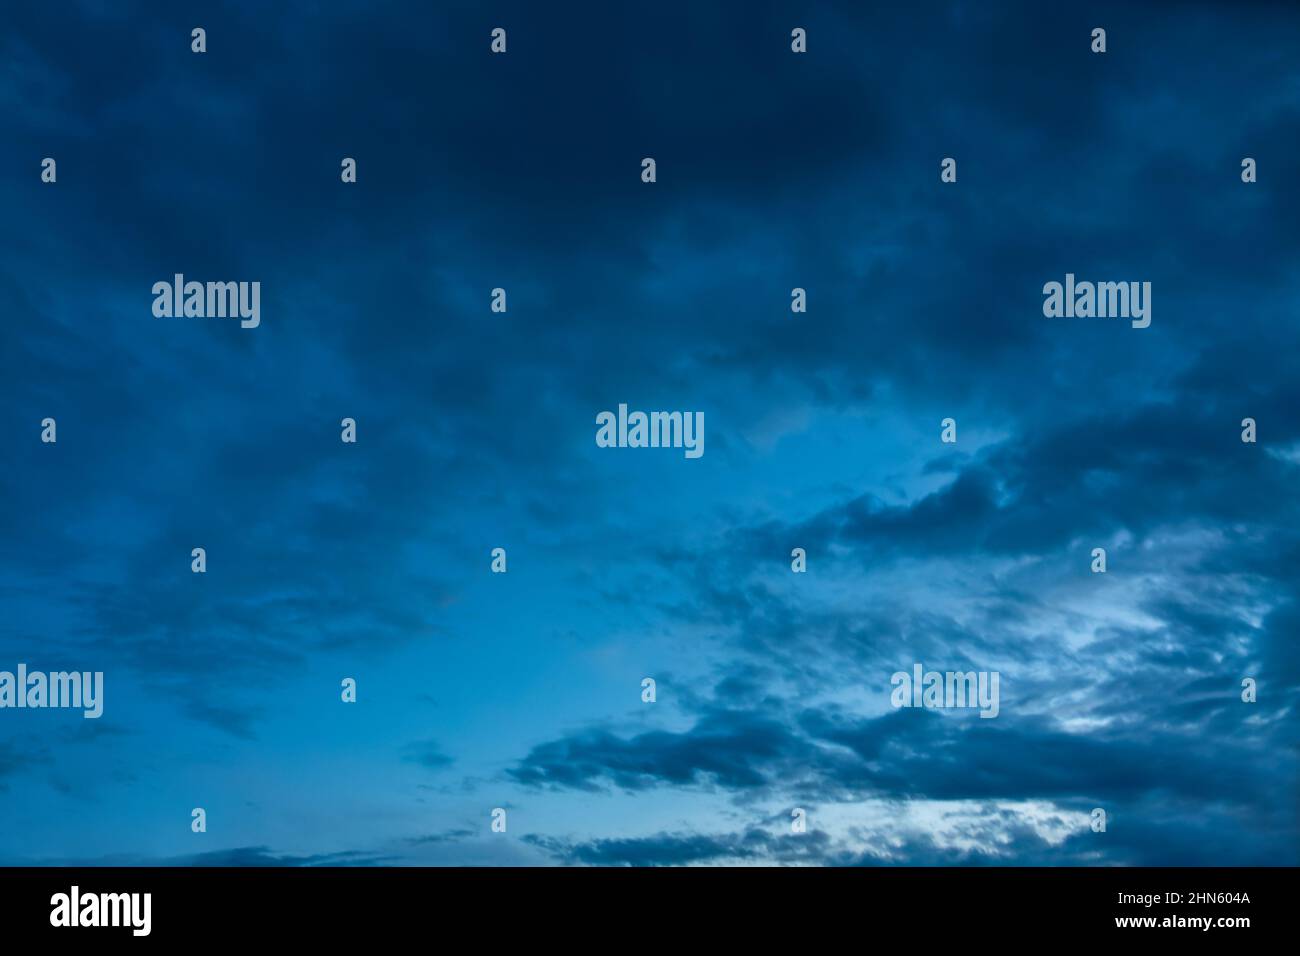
x: 522, y: 691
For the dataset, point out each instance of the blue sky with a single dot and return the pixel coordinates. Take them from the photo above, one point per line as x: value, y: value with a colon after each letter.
x: 476, y: 430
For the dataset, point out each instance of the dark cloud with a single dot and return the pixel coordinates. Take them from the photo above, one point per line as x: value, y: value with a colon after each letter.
x: 258, y: 856
x: 427, y: 754
x: 451, y: 836
x: 735, y: 750
x: 775, y: 171
x: 676, y: 849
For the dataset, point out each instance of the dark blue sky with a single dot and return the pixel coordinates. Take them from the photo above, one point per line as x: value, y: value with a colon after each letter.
x: 476, y: 430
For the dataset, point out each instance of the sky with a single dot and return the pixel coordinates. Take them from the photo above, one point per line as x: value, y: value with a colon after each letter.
x: 1120, y: 691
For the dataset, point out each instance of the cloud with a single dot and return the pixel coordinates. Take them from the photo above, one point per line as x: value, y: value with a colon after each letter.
x: 244, y: 856
x: 678, y: 849
x: 475, y: 428
x: 732, y: 750
x: 427, y: 755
